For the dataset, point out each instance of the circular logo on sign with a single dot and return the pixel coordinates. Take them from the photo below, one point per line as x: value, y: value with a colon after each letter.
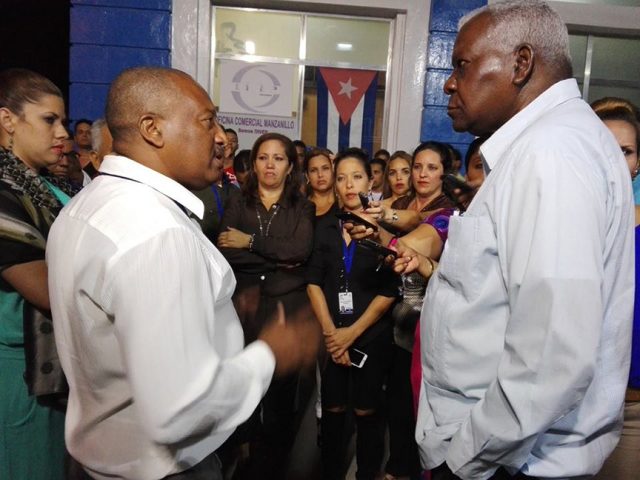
x: 255, y: 88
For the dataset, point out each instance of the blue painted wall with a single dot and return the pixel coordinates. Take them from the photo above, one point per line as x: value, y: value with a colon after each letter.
x: 443, y: 26
x: 108, y: 36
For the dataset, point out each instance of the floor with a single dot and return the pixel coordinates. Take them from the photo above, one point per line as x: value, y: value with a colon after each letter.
x: 305, y: 456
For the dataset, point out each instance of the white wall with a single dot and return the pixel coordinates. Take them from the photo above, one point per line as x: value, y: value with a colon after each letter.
x: 606, y: 19
x: 597, y: 17
x: 191, y: 51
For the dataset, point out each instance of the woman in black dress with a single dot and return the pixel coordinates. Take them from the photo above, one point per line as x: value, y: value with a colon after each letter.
x: 351, y: 294
x: 267, y: 236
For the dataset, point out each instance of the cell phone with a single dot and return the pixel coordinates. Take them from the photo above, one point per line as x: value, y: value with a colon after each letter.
x: 450, y: 183
x: 364, y: 200
x: 357, y: 357
x: 377, y: 248
x: 353, y: 218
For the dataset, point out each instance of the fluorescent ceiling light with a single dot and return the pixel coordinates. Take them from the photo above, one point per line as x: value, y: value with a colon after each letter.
x: 344, y: 47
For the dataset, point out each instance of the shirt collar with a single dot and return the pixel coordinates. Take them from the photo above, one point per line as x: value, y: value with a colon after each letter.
x: 125, y: 167
x: 494, y: 148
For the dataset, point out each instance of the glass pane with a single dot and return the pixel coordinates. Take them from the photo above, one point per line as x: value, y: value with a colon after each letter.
x: 616, y: 59
x: 598, y: 91
x: 578, y: 48
x: 352, y: 41
x: 250, y: 32
x: 629, y: 3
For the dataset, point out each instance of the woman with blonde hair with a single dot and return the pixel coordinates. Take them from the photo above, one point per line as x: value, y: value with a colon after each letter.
x: 621, y: 117
x: 397, y: 178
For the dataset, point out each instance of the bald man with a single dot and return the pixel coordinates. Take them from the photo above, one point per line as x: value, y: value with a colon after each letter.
x: 148, y: 337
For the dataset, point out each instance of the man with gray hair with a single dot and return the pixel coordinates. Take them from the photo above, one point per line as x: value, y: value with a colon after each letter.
x: 526, y: 324
x: 101, y: 142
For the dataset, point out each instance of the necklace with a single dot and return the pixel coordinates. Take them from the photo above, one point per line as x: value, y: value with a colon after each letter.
x: 264, y: 232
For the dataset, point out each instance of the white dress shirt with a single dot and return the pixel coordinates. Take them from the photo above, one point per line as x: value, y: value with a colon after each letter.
x: 526, y: 326
x: 147, y: 334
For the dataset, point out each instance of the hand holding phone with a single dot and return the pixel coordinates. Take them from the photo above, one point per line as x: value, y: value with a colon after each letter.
x: 350, y: 217
x: 364, y: 200
x: 450, y: 183
x: 460, y: 192
x: 377, y: 248
x: 357, y: 357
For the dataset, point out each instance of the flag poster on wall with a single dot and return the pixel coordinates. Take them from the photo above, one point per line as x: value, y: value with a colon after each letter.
x: 346, y: 108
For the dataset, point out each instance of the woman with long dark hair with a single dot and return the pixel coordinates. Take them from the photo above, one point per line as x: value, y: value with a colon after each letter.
x: 351, y: 294
x: 318, y: 169
x: 430, y: 161
x: 267, y: 236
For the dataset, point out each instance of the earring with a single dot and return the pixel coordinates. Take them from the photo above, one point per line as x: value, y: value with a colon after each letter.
x: 10, y: 147
x: 634, y: 174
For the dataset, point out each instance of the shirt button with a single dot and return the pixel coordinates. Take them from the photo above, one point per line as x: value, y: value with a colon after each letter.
x: 261, y: 277
x: 47, y: 367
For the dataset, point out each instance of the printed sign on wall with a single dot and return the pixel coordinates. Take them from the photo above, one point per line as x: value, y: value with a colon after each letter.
x: 256, y: 88
x: 250, y: 127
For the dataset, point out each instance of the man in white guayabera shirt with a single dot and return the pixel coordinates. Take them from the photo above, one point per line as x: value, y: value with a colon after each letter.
x: 526, y: 325
x: 148, y: 337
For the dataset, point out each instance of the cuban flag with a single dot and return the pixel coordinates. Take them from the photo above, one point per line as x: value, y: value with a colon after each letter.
x: 346, y: 108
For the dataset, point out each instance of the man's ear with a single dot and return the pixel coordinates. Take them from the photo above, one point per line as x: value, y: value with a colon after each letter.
x: 524, y: 58
x: 6, y: 120
x: 150, y: 129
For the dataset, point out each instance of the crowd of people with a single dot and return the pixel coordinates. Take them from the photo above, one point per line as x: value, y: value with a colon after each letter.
x: 481, y: 318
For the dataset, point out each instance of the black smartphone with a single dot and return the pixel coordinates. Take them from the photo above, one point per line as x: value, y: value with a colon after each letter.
x: 357, y: 357
x: 377, y: 248
x: 364, y: 200
x: 450, y: 183
x: 355, y: 219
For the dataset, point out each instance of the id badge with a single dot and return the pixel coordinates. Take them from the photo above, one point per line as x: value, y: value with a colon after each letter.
x: 345, y: 303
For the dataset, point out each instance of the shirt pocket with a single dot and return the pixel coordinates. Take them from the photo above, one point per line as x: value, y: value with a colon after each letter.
x: 469, y: 256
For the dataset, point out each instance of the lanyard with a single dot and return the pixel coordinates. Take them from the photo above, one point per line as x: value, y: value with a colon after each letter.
x: 184, y: 209
x: 348, y: 253
x: 218, y: 200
